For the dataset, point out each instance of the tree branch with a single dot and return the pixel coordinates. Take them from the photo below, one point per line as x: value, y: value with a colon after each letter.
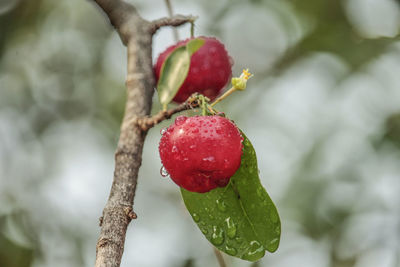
x: 174, y: 21
x: 136, y: 33
x: 120, y: 15
x: 148, y: 122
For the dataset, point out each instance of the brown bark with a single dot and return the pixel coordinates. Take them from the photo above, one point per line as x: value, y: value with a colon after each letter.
x: 136, y: 33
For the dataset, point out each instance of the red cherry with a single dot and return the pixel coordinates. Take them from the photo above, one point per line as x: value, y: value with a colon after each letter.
x: 209, y: 71
x: 201, y: 153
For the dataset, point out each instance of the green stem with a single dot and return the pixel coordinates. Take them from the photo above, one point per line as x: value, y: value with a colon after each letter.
x: 222, y: 97
x: 192, y: 29
x: 203, y: 109
x: 203, y: 105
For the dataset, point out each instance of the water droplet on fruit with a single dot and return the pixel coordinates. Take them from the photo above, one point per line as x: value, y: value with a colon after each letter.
x: 196, y: 217
x: 255, y: 251
x: 230, y: 228
x: 180, y: 120
x: 163, y: 130
x: 221, y: 205
x: 226, y: 163
x: 209, y: 159
x: 163, y: 172
x: 230, y: 251
x: 174, y: 149
x: 192, y: 147
x: 217, y: 237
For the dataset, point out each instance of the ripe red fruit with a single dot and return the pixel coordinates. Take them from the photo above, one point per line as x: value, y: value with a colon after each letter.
x: 201, y: 153
x: 209, y: 71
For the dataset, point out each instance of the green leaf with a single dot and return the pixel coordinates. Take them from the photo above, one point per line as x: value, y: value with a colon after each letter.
x: 173, y: 74
x: 175, y: 69
x: 239, y: 219
x: 194, y: 45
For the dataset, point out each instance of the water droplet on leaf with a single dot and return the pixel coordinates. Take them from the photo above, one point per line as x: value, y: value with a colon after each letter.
x: 230, y: 228
x: 221, y: 205
x: 274, y: 217
x: 217, y: 237
x: 255, y: 251
x: 272, y: 245
x: 196, y: 217
x: 260, y: 193
x: 239, y: 239
x: 230, y: 251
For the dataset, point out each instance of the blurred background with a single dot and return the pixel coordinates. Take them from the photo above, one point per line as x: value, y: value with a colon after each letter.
x: 323, y: 112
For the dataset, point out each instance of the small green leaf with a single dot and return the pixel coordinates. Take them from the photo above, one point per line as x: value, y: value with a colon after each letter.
x: 173, y: 74
x: 194, y: 45
x: 175, y: 69
x: 239, y: 219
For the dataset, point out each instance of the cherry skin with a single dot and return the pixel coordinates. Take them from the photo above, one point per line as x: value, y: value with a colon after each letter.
x: 209, y: 71
x: 201, y: 153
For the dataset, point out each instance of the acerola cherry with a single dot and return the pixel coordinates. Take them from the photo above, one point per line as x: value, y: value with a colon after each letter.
x: 209, y: 71
x: 201, y: 153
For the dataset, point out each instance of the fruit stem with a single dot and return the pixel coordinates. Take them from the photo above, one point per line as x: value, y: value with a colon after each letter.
x: 222, y: 97
x: 203, y: 104
x: 192, y: 29
x: 238, y: 83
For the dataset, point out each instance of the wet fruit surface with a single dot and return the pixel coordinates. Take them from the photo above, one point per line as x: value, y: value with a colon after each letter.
x: 210, y: 69
x: 201, y: 153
